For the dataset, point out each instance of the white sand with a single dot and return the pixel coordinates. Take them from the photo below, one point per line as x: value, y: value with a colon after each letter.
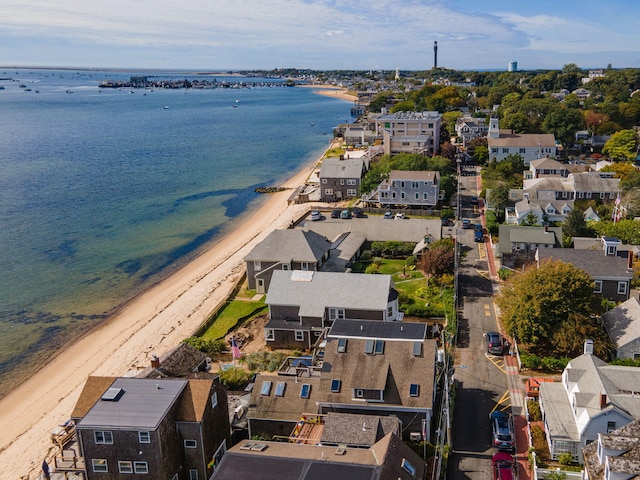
x: 153, y: 323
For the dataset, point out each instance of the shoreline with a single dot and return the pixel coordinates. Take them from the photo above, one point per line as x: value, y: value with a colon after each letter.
x: 332, y: 91
x: 151, y: 323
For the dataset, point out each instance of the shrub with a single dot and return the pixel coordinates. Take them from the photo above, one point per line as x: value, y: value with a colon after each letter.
x: 234, y: 378
x: 532, y: 362
x: 206, y: 346
x: 551, y: 364
x: 565, y: 458
x: 372, y: 268
x: 539, y: 442
x: 534, y: 411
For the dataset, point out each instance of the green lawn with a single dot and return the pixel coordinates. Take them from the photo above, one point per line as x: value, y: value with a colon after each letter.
x: 232, y: 313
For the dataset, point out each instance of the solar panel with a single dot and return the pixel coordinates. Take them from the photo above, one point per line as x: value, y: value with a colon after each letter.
x: 305, y: 390
x: 414, y: 389
x: 342, y: 345
x: 266, y: 388
x: 335, y: 385
x: 279, y: 389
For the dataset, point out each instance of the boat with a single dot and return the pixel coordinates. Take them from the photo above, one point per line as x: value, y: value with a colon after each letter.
x: 166, y: 107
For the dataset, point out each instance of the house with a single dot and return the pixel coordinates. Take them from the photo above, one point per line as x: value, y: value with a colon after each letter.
x: 378, y: 368
x: 340, y: 178
x: 387, y: 459
x: 163, y: 428
x: 623, y: 326
x: 614, y: 455
x: 468, y: 128
x: 546, y: 167
x: 610, y: 269
x: 592, y: 398
x: 285, y: 249
x: 530, y: 146
x: 409, y: 132
x: 415, y: 189
x: 303, y: 303
x: 356, y: 134
x: 518, y: 244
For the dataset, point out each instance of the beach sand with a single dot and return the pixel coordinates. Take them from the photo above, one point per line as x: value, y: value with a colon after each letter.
x: 332, y: 91
x: 152, y: 323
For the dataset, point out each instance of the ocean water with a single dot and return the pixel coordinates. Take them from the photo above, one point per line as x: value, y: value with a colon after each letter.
x: 104, y: 191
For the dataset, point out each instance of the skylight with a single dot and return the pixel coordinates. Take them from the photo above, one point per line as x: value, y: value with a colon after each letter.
x: 266, y: 388
x: 335, y: 385
x: 279, y: 389
x: 305, y: 390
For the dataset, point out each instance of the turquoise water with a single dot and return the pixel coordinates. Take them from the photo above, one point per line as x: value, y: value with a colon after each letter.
x: 103, y: 191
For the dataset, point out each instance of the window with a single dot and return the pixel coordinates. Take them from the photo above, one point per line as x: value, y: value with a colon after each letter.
x: 190, y: 444
x: 402, y: 195
x: 305, y: 391
x: 580, y: 194
x: 99, y: 465
x: 193, y: 474
x: 279, y: 389
x: 603, y: 195
x: 359, y: 393
x: 269, y: 335
x: 390, y: 311
x: 335, y: 313
x: 125, y: 467
x: 342, y: 181
x: 379, y: 347
x: 523, y: 150
x: 214, y: 400
x: 304, y: 266
x: 140, y: 467
x: 285, y: 266
x: 425, y: 196
x: 351, y: 192
x: 415, y: 184
x: 342, y: 345
x: 417, y: 196
x: 597, y: 286
x: 328, y: 191
x: 103, y: 438
x: 144, y: 437
x: 299, y: 335
x: 368, y: 346
x: 324, y: 180
x: 257, y: 266
x: 417, y: 349
x: 611, y: 426
x: 494, y: 150
x: 505, y: 150
x: 622, y: 288
x: 611, y: 250
x: 335, y: 385
x: 351, y: 181
x: 414, y: 390
x: 407, y: 467
x: 266, y: 388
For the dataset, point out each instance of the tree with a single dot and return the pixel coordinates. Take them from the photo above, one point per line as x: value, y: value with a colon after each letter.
x: 499, y: 198
x: 622, y: 145
x: 481, y: 154
x: 530, y: 220
x: 564, y: 123
x: 575, y: 225
x: 439, y: 259
x: 535, y: 304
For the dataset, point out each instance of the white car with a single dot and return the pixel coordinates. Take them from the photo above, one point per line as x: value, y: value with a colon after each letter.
x: 315, y: 216
x: 399, y: 216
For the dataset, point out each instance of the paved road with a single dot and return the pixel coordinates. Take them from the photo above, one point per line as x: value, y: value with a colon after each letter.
x: 483, y: 382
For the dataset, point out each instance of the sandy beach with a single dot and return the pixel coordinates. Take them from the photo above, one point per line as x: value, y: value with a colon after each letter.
x: 153, y: 323
x: 332, y: 91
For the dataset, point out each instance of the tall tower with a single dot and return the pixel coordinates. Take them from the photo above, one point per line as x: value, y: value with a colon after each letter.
x: 435, y: 54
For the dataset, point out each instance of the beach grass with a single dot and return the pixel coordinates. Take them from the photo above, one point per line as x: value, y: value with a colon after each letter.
x: 233, y: 313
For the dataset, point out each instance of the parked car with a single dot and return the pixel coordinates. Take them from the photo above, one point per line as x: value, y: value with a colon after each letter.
x: 315, y: 216
x: 495, y: 343
x: 503, y: 435
x: 388, y: 215
x: 345, y: 214
x: 478, y: 227
x: 474, y: 200
x: 400, y: 216
x: 447, y: 222
x: 503, y: 466
x: 358, y: 213
x: 478, y: 236
x: 335, y: 213
x: 466, y: 223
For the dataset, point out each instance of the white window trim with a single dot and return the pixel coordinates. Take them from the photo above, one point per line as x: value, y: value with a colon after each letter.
x: 597, y: 286
x: 269, y: 334
x: 193, y: 474
x: 100, y: 465
x: 214, y: 400
x: 299, y: 335
x: 140, y: 467
x: 125, y: 466
x: 622, y: 288
x: 190, y: 443
x: 107, y: 437
x: 144, y: 437
x: 257, y: 266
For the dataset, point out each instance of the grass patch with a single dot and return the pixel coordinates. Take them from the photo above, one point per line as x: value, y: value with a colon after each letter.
x: 233, y: 313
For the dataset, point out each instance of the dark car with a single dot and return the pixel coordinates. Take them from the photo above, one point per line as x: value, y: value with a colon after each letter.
x: 358, y: 213
x: 495, y: 343
x: 388, y: 215
x: 335, y: 213
x: 503, y: 466
x: 478, y: 236
x: 466, y: 223
x: 503, y: 436
x: 345, y: 213
x: 474, y: 200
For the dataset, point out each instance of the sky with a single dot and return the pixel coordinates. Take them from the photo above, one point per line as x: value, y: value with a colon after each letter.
x: 211, y: 35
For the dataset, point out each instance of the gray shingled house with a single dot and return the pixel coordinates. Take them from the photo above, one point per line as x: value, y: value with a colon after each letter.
x: 160, y: 428
x: 302, y: 304
x: 623, y: 326
x: 340, y: 178
x: 614, y: 455
x: 290, y: 249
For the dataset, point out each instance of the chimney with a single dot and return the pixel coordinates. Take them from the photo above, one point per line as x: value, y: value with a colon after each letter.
x: 546, y: 227
x: 630, y: 260
x: 603, y: 400
x: 155, y: 361
x: 588, y: 347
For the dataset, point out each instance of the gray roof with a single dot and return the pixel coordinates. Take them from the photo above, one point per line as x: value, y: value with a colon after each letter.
x: 547, y: 164
x: 346, y: 168
x: 623, y: 322
x: 290, y: 245
x: 142, y: 404
x: 288, y: 407
x: 593, y: 182
x: 621, y: 450
x: 343, y: 251
x: 419, y: 175
x: 554, y: 184
x: 315, y: 291
x: 426, y: 115
x: 376, y: 329
x: 558, y: 413
x: 587, y: 243
x: 544, y: 140
x: 509, y: 234
x: 597, y: 265
x: 357, y: 430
